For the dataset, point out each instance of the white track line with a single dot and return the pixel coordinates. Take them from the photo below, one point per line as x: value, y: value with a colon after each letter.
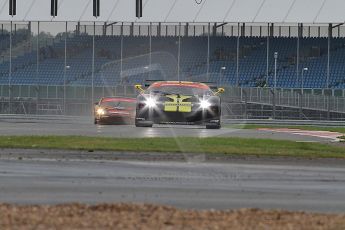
x: 334, y: 136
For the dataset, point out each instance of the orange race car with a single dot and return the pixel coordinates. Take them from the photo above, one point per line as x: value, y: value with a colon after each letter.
x: 115, y: 110
x: 178, y: 102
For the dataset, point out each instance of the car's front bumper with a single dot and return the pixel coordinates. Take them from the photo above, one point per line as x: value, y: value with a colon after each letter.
x: 113, y: 118
x: 158, y: 116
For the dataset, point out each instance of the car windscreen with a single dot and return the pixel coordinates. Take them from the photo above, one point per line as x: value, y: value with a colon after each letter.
x: 181, y: 90
x: 117, y: 104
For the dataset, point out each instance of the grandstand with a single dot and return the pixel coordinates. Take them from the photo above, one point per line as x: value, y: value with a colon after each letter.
x: 252, y: 61
x: 193, y: 61
x: 74, y: 58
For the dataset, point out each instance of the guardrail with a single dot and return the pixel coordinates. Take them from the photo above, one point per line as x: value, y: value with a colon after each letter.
x: 83, y: 119
x: 286, y: 98
x: 32, y: 99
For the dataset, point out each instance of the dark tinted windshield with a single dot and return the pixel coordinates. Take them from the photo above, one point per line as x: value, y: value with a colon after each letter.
x: 115, y: 104
x: 182, y: 90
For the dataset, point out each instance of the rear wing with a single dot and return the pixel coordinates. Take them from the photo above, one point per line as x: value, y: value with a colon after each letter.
x: 148, y: 83
x: 212, y: 85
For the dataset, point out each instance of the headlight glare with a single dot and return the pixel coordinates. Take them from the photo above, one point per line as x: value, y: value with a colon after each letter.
x: 150, y: 102
x: 204, y: 104
x: 100, y: 111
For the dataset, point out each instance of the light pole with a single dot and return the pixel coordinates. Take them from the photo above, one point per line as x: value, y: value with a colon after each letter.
x: 93, y: 68
x: 67, y: 67
x: 64, y: 73
x: 302, y: 75
x: 275, y: 84
x: 275, y: 69
x: 301, y: 95
x: 222, y: 69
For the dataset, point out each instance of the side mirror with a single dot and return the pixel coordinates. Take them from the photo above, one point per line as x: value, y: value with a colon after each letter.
x: 220, y: 91
x: 139, y: 88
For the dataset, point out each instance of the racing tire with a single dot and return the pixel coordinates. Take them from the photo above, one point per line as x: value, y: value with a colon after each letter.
x: 143, y: 124
x: 102, y: 122
x: 213, y: 126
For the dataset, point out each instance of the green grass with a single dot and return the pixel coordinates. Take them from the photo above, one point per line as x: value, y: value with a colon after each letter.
x: 232, y: 146
x: 302, y: 127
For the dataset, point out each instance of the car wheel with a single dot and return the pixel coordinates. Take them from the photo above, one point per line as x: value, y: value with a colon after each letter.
x: 143, y: 124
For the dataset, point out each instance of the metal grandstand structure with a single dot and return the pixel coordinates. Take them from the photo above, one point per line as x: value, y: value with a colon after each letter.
x: 184, y: 11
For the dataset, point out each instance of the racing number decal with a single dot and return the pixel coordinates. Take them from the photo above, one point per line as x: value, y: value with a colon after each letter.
x: 171, y: 106
x: 185, y: 107
x: 177, y: 105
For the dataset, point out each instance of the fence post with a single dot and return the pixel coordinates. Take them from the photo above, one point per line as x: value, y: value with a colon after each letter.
x: 328, y: 108
x: 245, y: 104
x: 300, y: 95
x: 241, y: 93
x: 10, y: 74
x: 273, y: 103
x: 275, y: 84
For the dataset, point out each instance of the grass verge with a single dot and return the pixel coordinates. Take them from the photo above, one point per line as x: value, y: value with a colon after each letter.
x: 232, y: 146
x: 302, y: 127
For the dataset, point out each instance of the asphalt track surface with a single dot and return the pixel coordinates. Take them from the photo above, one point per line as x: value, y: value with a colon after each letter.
x: 192, y: 185
x: 181, y: 180
x: 85, y: 127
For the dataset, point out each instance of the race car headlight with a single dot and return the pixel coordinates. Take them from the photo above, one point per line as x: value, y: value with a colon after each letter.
x: 204, y: 104
x: 100, y: 111
x: 150, y: 102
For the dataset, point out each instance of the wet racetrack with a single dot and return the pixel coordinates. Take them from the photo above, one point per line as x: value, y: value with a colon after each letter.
x: 50, y: 176
x: 186, y: 185
x: 85, y: 127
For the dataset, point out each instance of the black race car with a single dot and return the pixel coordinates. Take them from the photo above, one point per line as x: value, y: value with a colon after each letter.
x: 178, y: 102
